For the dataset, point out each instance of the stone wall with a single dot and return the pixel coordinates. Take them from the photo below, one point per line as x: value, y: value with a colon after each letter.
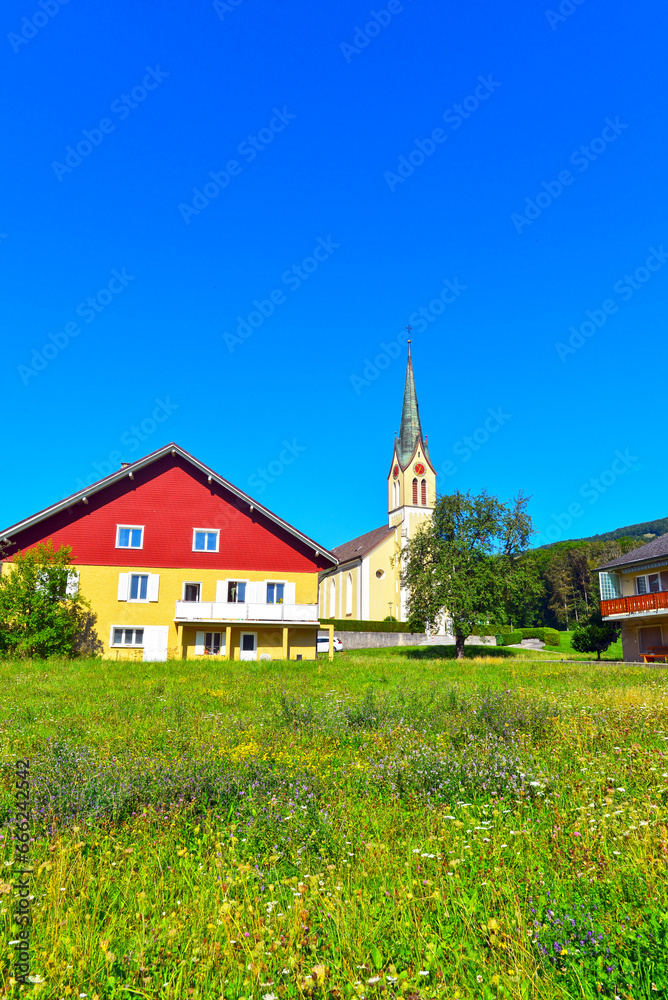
x: 378, y: 640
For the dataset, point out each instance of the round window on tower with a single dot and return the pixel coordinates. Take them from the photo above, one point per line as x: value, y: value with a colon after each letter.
x: 380, y: 574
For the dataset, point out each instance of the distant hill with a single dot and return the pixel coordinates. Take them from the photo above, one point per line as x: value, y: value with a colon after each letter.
x: 644, y: 532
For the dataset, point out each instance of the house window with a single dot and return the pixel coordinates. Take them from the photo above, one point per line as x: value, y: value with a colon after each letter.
x: 191, y: 591
x: 138, y: 587
x: 128, y: 637
x: 332, y: 598
x: 212, y: 642
x: 415, y: 492
x: 236, y: 591
x: 205, y: 541
x: 129, y: 536
x: 650, y: 584
x: 610, y: 588
x: 424, y: 492
x: 275, y: 593
x: 349, y: 594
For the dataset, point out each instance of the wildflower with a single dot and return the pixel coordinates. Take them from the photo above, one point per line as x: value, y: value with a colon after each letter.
x: 423, y: 972
x: 478, y: 979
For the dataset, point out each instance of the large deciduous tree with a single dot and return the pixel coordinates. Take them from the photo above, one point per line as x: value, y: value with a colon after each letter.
x: 467, y: 562
x: 41, y: 612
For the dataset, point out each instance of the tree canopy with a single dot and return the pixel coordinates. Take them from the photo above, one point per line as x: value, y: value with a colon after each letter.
x: 467, y: 560
x: 41, y: 612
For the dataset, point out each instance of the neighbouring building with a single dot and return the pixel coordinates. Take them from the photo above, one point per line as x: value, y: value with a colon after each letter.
x: 366, y: 584
x: 177, y: 562
x: 634, y: 593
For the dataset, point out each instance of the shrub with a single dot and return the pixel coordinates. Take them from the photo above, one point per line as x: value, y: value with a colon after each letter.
x: 549, y: 636
x: 509, y: 638
x: 552, y: 637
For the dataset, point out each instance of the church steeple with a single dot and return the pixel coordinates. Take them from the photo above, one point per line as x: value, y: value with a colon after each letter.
x: 410, y: 430
x: 411, y: 483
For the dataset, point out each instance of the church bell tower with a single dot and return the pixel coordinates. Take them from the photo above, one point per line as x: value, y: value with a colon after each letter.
x: 411, y: 483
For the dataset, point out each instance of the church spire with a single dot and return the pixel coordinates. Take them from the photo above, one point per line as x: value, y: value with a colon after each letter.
x: 410, y: 430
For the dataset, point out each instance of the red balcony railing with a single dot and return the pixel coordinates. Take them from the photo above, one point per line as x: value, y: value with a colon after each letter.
x: 634, y: 605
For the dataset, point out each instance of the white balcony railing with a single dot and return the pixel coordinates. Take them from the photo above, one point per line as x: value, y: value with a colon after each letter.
x: 208, y: 611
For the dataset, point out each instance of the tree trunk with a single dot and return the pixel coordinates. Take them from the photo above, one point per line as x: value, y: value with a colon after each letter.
x: 459, y: 645
x: 599, y: 654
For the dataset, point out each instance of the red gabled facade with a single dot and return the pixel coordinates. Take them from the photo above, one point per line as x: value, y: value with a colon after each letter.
x: 170, y: 498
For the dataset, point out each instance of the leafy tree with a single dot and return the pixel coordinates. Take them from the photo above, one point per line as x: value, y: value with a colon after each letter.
x: 463, y: 562
x: 522, y: 587
x: 595, y: 636
x: 38, y: 616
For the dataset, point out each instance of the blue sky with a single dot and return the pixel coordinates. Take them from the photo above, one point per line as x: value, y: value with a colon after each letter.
x: 322, y: 172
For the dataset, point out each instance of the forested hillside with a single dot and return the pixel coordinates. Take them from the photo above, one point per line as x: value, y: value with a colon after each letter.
x: 645, y: 531
x: 562, y: 581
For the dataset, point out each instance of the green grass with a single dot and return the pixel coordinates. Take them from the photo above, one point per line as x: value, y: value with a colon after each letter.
x: 394, y: 822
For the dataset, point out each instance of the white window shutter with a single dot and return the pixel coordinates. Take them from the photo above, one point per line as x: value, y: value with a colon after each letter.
x: 199, y: 644
x: 153, y: 586
x: 72, y: 584
x: 123, y: 584
x: 223, y: 641
x: 256, y: 592
x: 290, y: 593
x: 221, y: 591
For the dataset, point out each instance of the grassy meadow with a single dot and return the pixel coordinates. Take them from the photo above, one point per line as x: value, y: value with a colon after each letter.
x: 391, y: 824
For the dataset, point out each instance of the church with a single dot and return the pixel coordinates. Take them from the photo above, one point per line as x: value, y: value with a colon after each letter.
x: 366, y: 585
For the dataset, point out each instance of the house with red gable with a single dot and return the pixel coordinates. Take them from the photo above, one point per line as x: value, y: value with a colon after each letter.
x: 177, y: 562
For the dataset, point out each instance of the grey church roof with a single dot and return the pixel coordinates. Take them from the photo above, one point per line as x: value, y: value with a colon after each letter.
x: 360, y: 546
x: 653, y: 550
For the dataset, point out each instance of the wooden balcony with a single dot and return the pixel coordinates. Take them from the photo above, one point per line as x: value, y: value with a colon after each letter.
x: 635, y: 605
